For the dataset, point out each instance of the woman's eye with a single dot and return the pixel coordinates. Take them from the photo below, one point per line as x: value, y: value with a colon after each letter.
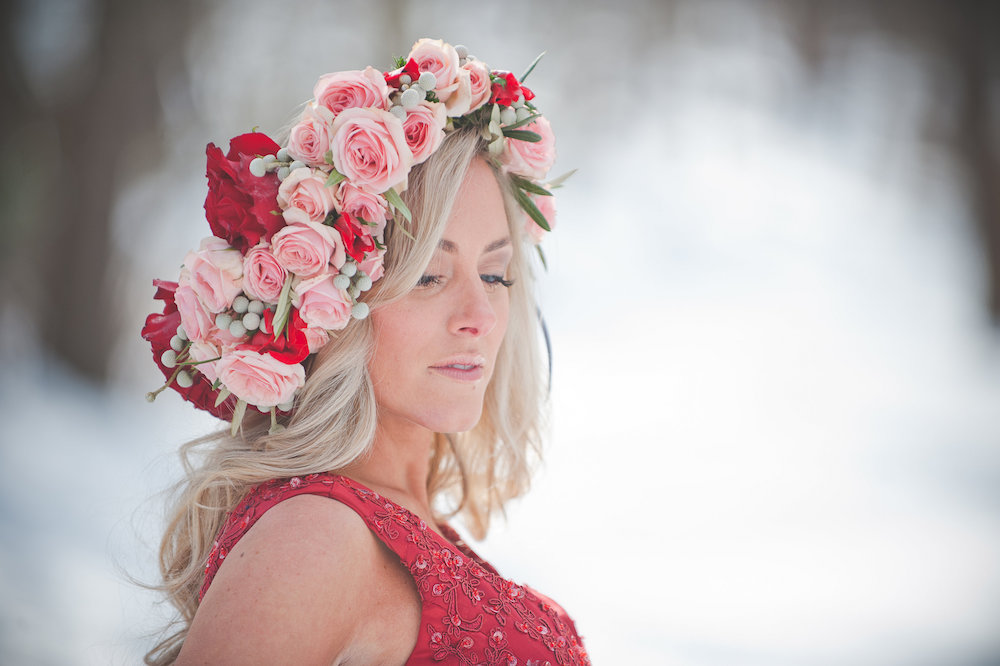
x: 494, y: 280
x: 428, y: 280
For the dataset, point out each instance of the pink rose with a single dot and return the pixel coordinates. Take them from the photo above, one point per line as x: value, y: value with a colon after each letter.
x: 547, y: 207
x: 310, y: 138
x: 307, y: 248
x: 480, y: 86
x: 315, y: 338
x: 263, y: 276
x: 460, y: 99
x: 259, y: 379
x: 304, y: 196
x: 195, y: 317
x: 441, y: 60
x: 370, y: 149
x: 352, y: 89
x: 321, y: 303
x: 424, y: 129
x: 214, y: 272
x: 372, y: 264
x: 531, y: 160
x: 205, y: 351
x: 372, y: 208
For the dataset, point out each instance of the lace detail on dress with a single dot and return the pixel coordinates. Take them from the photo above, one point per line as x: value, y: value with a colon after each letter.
x: 470, y: 613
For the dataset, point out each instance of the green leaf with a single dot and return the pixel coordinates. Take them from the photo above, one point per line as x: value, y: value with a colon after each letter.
x: 531, y: 209
x: 526, y: 121
x: 531, y: 67
x: 221, y: 398
x: 522, y: 135
x: 393, y: 198
x: 284, y: 307
x: 406, y: 232
x: 557, y: 182
x: 334, y: 178
x: 241, y: 408
x: 541, y: 255
x: 400, y: 62
x: 328, y: 157
x: 275, y: 426
x: 529, y: 186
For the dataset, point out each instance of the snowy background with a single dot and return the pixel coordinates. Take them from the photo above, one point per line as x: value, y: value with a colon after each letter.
x: 776, y: 398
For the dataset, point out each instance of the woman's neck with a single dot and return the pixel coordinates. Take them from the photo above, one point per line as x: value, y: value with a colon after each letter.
x: 398, y: 465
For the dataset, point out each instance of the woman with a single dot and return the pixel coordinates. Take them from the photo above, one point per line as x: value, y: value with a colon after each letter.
x: 312, y: 532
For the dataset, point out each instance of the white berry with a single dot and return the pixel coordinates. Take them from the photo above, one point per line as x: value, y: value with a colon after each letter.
x: 341, y: 282
x: 359, y: 310
x: 184, y: 379
x: 349, y: 269
x: 257, y: 307
x: 223, y: 320
x: 176, y: 343
x: 427, y: 81
x: 251, y: 321
x: 257, y: 167
x: 410, y: 99
x: 169, y: 358
x: 237, y: 329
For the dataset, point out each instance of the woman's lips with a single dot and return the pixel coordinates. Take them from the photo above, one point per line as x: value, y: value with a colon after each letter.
x: 467, y: 369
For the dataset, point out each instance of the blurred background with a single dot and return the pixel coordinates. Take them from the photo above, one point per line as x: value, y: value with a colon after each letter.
x: 773, y: 293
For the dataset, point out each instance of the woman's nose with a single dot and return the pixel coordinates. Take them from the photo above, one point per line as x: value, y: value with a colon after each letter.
x: 473, y: 313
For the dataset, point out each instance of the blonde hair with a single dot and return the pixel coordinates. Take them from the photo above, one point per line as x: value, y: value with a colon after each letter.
x: 473, y: 474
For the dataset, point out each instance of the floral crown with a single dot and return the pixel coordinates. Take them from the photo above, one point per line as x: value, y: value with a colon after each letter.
x: 298, y: 230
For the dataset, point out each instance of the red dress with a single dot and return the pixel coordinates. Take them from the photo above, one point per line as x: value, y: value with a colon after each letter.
x: 470, y: 614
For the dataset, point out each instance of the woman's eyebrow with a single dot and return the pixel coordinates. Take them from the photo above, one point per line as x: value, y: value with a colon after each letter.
x: 451, y: 248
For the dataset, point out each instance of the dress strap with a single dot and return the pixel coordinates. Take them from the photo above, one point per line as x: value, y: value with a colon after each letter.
x: 395, y: 526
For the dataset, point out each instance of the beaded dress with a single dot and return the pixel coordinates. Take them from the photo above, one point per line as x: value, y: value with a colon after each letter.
x: 470, y: 614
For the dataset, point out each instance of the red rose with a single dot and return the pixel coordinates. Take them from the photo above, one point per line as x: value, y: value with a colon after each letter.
x: 356, y: 236
x: 410, y: 69
x: 158, y: 331
x: 239, y: 205
x: 290, y: 348
x: 505, y: 91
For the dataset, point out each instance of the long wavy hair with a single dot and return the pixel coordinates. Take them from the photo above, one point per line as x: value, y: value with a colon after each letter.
x: 472, y: 474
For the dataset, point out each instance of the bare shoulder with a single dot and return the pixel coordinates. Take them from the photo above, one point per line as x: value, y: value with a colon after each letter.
x: 304, y: 585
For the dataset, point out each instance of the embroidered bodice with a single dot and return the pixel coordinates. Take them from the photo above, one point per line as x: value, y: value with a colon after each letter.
x: 470, y: 614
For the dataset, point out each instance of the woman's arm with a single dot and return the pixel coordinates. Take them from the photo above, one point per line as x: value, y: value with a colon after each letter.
x: 305, y: 585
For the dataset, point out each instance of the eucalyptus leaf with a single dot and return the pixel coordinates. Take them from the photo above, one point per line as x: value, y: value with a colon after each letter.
x: 541, y: 255
x: 221, y: 398
x: 529, y: 186
x: 526, y: 121
x: 334, y: 178
x: 531, y: 67
x: 241, y: 408
x: 284, y: 307
x: 531, y: 209
x: 522, y: 135
x: 557, y: 182
x: 406, y: 232
x: 393, y: 198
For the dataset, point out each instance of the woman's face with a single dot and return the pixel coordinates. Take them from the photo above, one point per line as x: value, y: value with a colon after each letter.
x: 436, y: 347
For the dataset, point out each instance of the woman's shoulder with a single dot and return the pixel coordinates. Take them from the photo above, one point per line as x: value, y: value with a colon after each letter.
x: 303, y: 584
